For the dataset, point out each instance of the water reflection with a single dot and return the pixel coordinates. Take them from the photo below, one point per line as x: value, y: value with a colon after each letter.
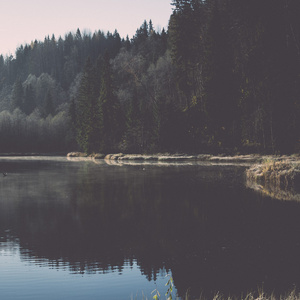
x: 199, y: 222
x: 274, y: 191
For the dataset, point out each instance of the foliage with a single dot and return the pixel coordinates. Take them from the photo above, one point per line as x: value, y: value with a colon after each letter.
x: 86, y: 117
x: 276, y: 175
x: 33, y: 133
x: 170, y: 285
x: 110, y: 113
x: 169, y: 293
x: 225, y: 77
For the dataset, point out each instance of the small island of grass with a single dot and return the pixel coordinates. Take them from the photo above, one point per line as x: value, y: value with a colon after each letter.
x: 279, y: 178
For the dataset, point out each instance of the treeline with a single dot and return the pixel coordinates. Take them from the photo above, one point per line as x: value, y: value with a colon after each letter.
x: 27, y: 134
x: 39, y: 82
x: 225, y: 77
x: 237, y: 73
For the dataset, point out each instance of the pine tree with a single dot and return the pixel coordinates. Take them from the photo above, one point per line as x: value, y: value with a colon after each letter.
x: 133, y: 137
x: 110, y: 112
x: 186, y: 31
x: 87, y: 111
x: 219, y: 81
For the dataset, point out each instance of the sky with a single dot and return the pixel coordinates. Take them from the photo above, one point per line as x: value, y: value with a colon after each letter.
x: 23, y: 21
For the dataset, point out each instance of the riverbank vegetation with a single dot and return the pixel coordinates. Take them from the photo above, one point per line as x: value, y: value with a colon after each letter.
x: 283, y: 174
x: 277, y: 178
x: 251, y: 296
x: 222, y: 78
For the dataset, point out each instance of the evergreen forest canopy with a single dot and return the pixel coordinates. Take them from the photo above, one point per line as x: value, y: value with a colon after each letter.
x: 225, y: 77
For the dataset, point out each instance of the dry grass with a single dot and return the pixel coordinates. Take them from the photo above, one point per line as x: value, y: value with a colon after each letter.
x: 276, y: 178
x: 261, y: 296
x: 77, y: 154
x: 281, y: 174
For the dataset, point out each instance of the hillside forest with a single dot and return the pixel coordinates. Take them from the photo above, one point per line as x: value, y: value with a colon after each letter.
x: 224, y: 77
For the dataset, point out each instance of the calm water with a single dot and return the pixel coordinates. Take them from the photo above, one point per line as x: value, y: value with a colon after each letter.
x: 86, y: 230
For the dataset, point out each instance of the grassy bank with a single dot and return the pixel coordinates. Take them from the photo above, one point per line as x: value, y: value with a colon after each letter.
x: 260, y: 295
x: 275, y: 176
x: 278, y: 178
x: 283, y: 174
x: 252, y: 158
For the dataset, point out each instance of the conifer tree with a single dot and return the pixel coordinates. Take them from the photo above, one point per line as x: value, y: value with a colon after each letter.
x: 133, y: 137
x: 87, y: 111
x: 110, y: 112
x: 72, y: 117
x: 186, y: 32
x: 220, y: 94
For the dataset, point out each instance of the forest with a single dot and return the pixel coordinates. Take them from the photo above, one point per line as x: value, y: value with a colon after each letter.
x: 224, y: 77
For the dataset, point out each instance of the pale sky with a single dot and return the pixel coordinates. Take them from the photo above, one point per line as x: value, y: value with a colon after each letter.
x: 23, y: 21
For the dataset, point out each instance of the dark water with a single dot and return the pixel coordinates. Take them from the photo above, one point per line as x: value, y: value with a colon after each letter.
x: 81, y: 230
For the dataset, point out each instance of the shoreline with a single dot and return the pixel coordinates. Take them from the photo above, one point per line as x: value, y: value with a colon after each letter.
x: 10, y: 154
x: 279, y: 179
x: 272, y: 175
x: 251, y: 158
x: 247, y: 158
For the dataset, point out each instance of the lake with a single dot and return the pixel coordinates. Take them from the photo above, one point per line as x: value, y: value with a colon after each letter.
x: 84, y: 229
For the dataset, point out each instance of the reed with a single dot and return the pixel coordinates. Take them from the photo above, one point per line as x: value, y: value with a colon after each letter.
x: 293, y: 295
x: 283, y: 174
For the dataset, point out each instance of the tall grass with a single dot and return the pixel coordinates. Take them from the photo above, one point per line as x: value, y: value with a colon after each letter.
x: 279, y: 179
x: 261, y: 296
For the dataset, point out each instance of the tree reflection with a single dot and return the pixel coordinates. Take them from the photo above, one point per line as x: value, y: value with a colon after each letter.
x: 200, y: 223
